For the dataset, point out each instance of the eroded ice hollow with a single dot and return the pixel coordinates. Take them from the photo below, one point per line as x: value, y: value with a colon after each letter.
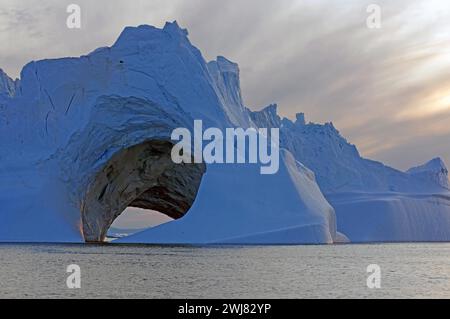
x: 142, y: 176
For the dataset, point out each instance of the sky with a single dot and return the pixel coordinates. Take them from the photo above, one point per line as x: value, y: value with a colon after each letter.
x: 387, y: 90
x: 138, y: 219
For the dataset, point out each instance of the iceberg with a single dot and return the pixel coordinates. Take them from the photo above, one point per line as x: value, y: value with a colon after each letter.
x: 84, y: 138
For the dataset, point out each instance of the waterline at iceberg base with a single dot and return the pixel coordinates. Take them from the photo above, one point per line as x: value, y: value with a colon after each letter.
x: 84, y: 138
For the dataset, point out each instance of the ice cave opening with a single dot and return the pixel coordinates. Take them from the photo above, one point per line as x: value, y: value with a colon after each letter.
x: 141, y: 176
x: 134, y: 220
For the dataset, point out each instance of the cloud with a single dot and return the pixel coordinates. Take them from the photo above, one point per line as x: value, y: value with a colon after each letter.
x: 386, y: 89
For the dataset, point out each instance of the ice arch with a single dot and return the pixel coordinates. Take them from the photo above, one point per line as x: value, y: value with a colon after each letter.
x: 143, y: 176
x: 121, y: 158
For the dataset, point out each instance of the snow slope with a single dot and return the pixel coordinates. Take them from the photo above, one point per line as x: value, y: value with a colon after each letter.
x: 244, y: 207
x: 67, y: 129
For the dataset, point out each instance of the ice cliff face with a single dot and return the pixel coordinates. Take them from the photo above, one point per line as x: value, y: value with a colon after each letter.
x: 7, y: 85
x: 226, y: 77
x: 84, y: 138
x: 8, y: 89
x: 434, y: 171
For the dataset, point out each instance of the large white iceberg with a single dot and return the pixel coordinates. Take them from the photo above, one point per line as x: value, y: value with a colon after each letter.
x: 84, y: 138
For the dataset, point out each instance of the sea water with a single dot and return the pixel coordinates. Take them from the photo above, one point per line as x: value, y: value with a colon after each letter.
x: 333, y: 271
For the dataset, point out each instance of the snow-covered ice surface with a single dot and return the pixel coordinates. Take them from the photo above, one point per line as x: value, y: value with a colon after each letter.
x: 63, y: 122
